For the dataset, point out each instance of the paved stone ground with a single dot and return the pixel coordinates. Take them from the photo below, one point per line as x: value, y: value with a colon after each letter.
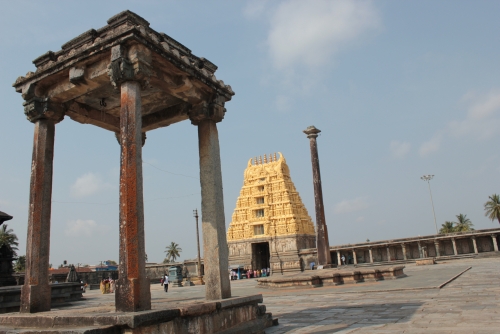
x: 414, y: 304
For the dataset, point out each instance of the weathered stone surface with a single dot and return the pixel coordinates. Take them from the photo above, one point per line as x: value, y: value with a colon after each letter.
x: 427, y: 261
x: 215, y: 249
x: 323, y: 247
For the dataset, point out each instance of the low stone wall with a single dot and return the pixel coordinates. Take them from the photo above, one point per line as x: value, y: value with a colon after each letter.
x: 232, y: 315
x: 10, y: 297
x: 326, y: 277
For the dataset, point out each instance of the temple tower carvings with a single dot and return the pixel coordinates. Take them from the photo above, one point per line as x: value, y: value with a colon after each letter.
x: 270, y: 224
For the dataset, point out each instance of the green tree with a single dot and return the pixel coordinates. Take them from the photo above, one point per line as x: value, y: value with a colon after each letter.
x: 447, y: 227
x: 173, y: 251
x: 8, y: 238
x: 492, y: 208
x: 20, y: 264
x: 464, y: 224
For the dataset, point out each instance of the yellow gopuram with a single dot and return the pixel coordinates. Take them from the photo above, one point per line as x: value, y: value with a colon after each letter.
x: 270, y: 224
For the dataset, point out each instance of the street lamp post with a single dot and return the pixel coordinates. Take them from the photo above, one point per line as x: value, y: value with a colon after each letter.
x: 195, y: 214
x: 428, y: 178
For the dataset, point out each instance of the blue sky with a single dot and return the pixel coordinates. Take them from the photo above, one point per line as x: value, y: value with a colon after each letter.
x: 399, y: 89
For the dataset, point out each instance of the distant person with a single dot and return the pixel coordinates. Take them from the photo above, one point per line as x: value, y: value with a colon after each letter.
x: 349, y: 259
x: 343, y: 259
x: 249, y: 273
x: 161, y: 281
x: 165, y: 283
x: 312, y: 265
x: 268, y: 271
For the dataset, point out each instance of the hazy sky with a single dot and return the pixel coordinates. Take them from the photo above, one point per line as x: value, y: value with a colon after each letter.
x: 399, y: 89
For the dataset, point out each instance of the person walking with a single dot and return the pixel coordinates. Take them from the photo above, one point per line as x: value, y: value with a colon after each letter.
x: 343, y: 259
x: 165, y: 283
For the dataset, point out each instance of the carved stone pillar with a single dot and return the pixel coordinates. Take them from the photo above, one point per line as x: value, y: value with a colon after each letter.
x: 371, y: 255
x: 474, y: 243
x: 436, y: 245
x: 35, y: 293
x: 454, y: 246
x: 403, y: 247
x: 321, y: 229
x: 132, y: 288
x: 215, y: 250
x: 339, y: 260
x: 420, y: 255
x: 355, y: 259
x: 388, y: 254
x: 495, y: 244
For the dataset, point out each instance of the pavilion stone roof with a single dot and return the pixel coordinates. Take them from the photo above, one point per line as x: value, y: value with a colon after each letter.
x: 82, y: 79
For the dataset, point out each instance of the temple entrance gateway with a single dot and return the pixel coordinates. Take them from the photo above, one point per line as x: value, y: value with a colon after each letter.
x: 260, y: 255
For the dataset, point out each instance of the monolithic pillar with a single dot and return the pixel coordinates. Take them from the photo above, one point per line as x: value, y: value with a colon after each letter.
x: 355, y: 259
x: 474, y: 243
x: 403, y: 247
x: 132, y: 288
x: 339, y: 260
x: 321, y: 229
x: 420, y: 254
x: 436, y: 245
x: 454, y: 246
x: 371, y: 255
x: 215, y: 249
x: 35, y: 293
x: 388, y: 254
x: 495, y: 244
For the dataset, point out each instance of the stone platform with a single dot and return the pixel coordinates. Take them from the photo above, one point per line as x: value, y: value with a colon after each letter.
x: 232, y: 315
x: 326, y: 277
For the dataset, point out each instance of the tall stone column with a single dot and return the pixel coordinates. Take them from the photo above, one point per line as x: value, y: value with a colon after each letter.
x: 388, y: 254
x: 474, y: 243
x: 215, y: 248
x: 322, y: 243
x: 354, y: 257
x: 454, y: 246
x: 339, y: 260
x: 371, y: 255
x: 436, y: 245
x: 36, y: 292
x: 420, y: 254
x: 132, y: 288
x: 403, y: 247
x: 495, y: 243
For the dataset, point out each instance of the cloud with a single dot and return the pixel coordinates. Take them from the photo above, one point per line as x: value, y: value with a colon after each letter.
x: 310, y: 32
x: 87, y: 185
x: 347, y: 206
x: 254, y: 9
x: 399, y: 149
x: 282, y: 103
x: 482, y: 121
x: 84, y: 228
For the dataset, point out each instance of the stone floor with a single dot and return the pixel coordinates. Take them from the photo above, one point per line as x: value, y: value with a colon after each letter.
x: 414, y: 304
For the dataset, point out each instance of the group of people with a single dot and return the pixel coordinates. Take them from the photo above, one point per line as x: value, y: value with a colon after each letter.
x: 164, y: 282
x: 107, y: 285
x: 343, y: 259
x: 233, y: 274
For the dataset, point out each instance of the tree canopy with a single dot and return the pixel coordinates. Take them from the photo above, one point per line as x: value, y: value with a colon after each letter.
x: 8, y: 238
x: 173, y: 252
x: 492, y: 208
x: 463, y: 224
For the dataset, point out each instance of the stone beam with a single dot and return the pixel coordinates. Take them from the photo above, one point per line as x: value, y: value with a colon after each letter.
x: 165, y: 117
x: 87, y: 115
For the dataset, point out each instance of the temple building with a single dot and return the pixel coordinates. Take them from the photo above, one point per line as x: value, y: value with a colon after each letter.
x: 270, y: 224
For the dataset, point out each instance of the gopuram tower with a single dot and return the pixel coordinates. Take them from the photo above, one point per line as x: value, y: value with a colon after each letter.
x: 270, y: 224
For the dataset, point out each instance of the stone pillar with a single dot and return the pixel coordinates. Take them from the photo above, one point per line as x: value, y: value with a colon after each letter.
x: 388, y: 254
x: 132, y: 288
x: 339, y: 260
x: 474, y: 243
x: 495, y: 244
x: 355, y: 259
x: 403, y: 247
x: 420, y: 255
x: 36, y: 292
x: 436, y: 244
x: 454, y: 246
x: 321, y: 229
x: 371, y: 255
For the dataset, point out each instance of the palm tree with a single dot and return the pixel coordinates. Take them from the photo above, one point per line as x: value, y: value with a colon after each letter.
x: 20, y: 264
x: 8, y: 238
x: 464, y: 224
x: 173, y: 251
x: 492, y: 208
x: 447, y: 227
